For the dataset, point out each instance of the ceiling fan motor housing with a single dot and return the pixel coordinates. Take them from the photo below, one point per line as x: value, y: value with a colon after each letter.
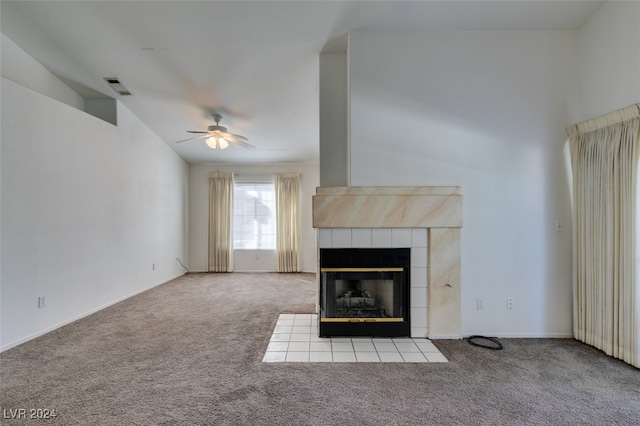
x: 214, y: 127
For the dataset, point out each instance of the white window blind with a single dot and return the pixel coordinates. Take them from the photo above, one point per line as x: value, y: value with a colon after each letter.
x: 254, y: 216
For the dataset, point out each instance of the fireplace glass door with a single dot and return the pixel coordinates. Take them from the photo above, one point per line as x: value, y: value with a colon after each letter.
x: 362, y: 295
x: 364, y: 301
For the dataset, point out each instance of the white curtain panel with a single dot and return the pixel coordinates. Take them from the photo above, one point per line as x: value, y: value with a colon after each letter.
x: 287, y: 188
x: 220, y: 222
x: 637, y: 289
x: 604, y: 161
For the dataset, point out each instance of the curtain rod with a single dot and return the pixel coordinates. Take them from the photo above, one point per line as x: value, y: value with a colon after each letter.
x: 623, y: 114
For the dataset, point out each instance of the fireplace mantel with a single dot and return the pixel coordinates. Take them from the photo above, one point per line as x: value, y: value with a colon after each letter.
x: 387, y: 207
x: 438, y: 209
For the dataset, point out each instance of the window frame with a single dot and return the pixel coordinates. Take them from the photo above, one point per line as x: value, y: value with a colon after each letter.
x: 259, y: 236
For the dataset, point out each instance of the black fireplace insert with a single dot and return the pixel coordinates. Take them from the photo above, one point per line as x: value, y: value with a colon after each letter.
x: 364, y: 292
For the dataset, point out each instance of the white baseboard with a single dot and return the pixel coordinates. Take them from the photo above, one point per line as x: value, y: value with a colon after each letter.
x: 445, y: 337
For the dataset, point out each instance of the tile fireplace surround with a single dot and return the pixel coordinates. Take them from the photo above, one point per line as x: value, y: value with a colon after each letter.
x: 428, y: 219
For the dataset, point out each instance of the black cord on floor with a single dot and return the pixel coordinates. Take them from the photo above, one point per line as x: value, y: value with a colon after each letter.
x: 496, y: 346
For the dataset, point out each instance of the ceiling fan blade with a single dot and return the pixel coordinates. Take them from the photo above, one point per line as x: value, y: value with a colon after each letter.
x: 238, y: 137
x: 194, y: 137
x: 195, y: 131
x: 233, y: 139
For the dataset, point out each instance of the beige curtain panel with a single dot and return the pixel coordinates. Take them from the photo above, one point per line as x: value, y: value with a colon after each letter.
x: 287, y: 188
x: 604, y: 161
x: 220, y: 222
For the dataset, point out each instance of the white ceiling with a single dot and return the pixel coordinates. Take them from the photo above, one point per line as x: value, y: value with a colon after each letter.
x: 254, y: 62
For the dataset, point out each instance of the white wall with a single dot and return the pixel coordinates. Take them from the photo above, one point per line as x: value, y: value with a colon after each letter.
x: 21, y: 68
x: 486, y: 111
x: 246, y: 261
x: 334, y: 119
x: 87, y: 209
x: 610, y: 59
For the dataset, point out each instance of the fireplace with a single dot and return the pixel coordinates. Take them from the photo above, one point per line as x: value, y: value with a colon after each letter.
x: 428, y: 219
x: 364, y: 292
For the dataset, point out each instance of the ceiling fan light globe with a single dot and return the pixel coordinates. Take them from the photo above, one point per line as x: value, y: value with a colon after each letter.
x: 211, y: 142
x: 216, y: 142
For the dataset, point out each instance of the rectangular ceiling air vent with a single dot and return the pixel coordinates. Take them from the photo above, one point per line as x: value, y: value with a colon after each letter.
x: 117, y: 86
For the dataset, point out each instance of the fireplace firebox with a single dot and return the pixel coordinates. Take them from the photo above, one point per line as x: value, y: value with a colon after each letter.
x: 364, y: 292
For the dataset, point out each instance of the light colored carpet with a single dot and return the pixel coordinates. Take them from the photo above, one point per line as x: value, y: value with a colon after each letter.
x: 190, y: 352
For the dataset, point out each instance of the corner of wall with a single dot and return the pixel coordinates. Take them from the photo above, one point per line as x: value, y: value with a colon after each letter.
x: 19, y: 67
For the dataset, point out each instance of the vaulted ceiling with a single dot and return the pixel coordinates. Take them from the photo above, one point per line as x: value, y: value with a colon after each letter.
x: 253, y: 62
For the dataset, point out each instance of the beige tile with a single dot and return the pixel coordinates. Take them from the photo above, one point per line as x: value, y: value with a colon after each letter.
x: 341, y: 347
x: 280, y: 337
x: 419, y: 237
x: 418, y: 297
x: 427, y: 346
x: 401, y: 237
x: 320, y: 357
x: 361, y: 237
x: 278, y: 346
x: 385, y: 346
x: 282, y: 329
x: 297, y: 357
x: 390, y: 357
x: 367, y: 357
x: 303, y: 347
x: 274, y: 357
x: 363, y: 346
x: 287, y: 316
x: 324, y: 238
x: 381, y: 237
x: 298, y: 347
x: 344, y: 357
x: 341, y: 238
x: 436, y: 357
x: 413, y: 357
x: 404, y: 347
x: 300, y: 337
x: 320, y: 347
x: 418, y: 277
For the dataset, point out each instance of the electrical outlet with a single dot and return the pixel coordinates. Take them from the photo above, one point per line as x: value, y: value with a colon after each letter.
x: 479, y: 304
x: 558, y: 226
x: 41, y: 302
x: 510, y: 303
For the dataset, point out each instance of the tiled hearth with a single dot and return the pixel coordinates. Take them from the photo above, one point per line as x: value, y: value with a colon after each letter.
x: 295, y: 339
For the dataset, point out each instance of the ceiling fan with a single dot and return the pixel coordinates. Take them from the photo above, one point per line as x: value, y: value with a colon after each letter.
x: 217, y: 136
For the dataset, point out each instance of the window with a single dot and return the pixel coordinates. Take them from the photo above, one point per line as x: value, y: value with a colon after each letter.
x: 254, y: 216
